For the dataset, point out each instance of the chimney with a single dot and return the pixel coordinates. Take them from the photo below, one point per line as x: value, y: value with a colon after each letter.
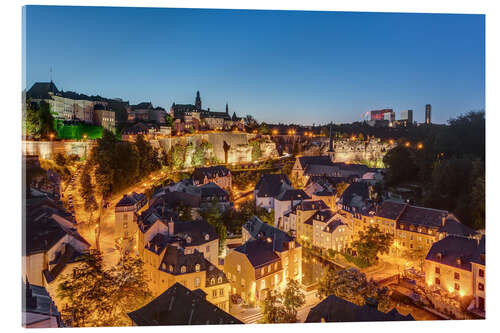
x: 443, y: 219
x: 171, y: 228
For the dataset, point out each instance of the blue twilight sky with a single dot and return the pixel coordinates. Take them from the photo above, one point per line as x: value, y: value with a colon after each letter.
x: 280, y: 66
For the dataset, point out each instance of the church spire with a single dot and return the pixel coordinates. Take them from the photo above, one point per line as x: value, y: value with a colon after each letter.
x: 227, y: 108
x: 197, y: 102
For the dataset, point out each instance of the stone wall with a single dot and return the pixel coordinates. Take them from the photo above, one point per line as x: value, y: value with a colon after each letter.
x: 239, y: 149
x: 45, y: 149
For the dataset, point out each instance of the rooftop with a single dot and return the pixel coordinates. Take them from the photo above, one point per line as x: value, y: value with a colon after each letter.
x: 180, y: 306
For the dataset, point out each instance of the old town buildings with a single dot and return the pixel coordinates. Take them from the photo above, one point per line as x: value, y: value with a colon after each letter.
x: 194, y: 117
x: 219, y: 175
x: 265, y: 261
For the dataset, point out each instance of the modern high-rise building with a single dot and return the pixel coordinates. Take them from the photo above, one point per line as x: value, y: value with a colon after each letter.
x: 427, y: 114
x: 379, y: 114
x: 407, y: 117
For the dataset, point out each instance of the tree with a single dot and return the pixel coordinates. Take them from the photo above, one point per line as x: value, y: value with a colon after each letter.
x: 60, y: 159
x: 256, y: 151
x: 371, y: 243
x: 148, y: 157
x: 282, y: 307
x: 38, y: 121
x: 96, y: 296
x: 85, y: 292
x: 213, y: 216
x: 130, y: 288
x: 87, y: 192
x: 401, y: 165
x: 352, y: 285
x: 293, y: 299
x: 263, y: 129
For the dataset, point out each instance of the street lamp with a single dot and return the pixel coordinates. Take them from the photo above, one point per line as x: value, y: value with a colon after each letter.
x: 420, y: 146
x: 51, y: 136
x: 407, y: 144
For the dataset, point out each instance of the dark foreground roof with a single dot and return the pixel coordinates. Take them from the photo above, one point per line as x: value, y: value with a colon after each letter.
x: 180, y: 306
x: 336, y: 309
x: 37, y: 305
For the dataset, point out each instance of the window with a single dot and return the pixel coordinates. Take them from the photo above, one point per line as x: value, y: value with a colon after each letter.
x: 295, y: 258
x: 481, y: 272
x: 125, y: 225
x: 208, y: 248
x: 214, y: 293
x: 212, y: 281
x: 183, y: 269
x: 437, y: 281
x: 197, y: 267
x: 457, y: 276
x: 219, y: 280
x: 221, y: 292
x: 238, y: 268
x: 263, y: 284
x: 197, y: 282
x: 243, y: 283
x: 457, y: 286
x: 229, y: 276
x: 171, y: 268
x: 480, y: 286
x: 125, y: 217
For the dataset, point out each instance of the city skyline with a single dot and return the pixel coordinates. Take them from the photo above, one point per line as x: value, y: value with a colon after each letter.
x: 332, y: 66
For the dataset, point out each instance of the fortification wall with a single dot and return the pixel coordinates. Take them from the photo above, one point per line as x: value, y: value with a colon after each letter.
x: 45, y: 149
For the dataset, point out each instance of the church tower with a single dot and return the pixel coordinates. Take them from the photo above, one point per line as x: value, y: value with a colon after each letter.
x: 197, y: 103
x: 330, y: 152
x: 227, y: 109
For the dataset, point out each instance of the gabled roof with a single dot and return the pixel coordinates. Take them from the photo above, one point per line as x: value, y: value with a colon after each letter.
x: 428, y: 217
x: 131, y: 199
x: 260, y: 230
x: 333, y: 225
x: 213, y: 190
x: 311, y: 205
x: 449, y: 249
x: 453, y: 227
x: 390, y: 209
x: 199, y: 231
x: 270, y: 185
x: 292, y: 194
x: 180, y: 306
x: 259, y: 252
x: 211, y: 172
x: 358, y: 189
x: 317, y: 160
x: 336, y: 309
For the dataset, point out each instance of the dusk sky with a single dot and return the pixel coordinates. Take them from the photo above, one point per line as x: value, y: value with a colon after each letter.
x: 279, y: 66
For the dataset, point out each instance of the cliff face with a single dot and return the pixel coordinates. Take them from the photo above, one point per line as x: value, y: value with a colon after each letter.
x: 269, y: 150
x: 239, y: 149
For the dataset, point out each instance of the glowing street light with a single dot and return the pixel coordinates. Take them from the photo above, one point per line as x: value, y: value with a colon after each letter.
x: 391, y: 142
x: 420, y: 146
x: 51, y: 136
x: 407, y: 144
x: 275, y: 131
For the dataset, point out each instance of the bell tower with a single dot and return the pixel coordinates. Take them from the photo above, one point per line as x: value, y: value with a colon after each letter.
x: 197, y: 102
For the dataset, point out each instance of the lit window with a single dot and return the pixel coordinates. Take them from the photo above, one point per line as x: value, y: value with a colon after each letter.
x: 480, y: 286
x: 183, y: 269
x: 197, y: 267
x: 457, y: 276
x: 457, y: 286
x: 238, y: 268
x: 197, y: 282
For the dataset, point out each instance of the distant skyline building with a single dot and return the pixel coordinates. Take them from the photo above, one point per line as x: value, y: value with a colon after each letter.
x: 428, y: 114
x: 379, y: 114
x: 406, y: 117
x: 390, y: 116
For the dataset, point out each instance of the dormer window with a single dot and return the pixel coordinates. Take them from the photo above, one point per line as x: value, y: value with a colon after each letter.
x: 164, y: 266
x: 207, y: 237
x: 459, y: 261
x: 188, y: 239
x: 212, y: 281
x: 171, y: 268
x: 197, y: 267
x: 219, y: 280
x: 183, y: 269
x: 439, y: 256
